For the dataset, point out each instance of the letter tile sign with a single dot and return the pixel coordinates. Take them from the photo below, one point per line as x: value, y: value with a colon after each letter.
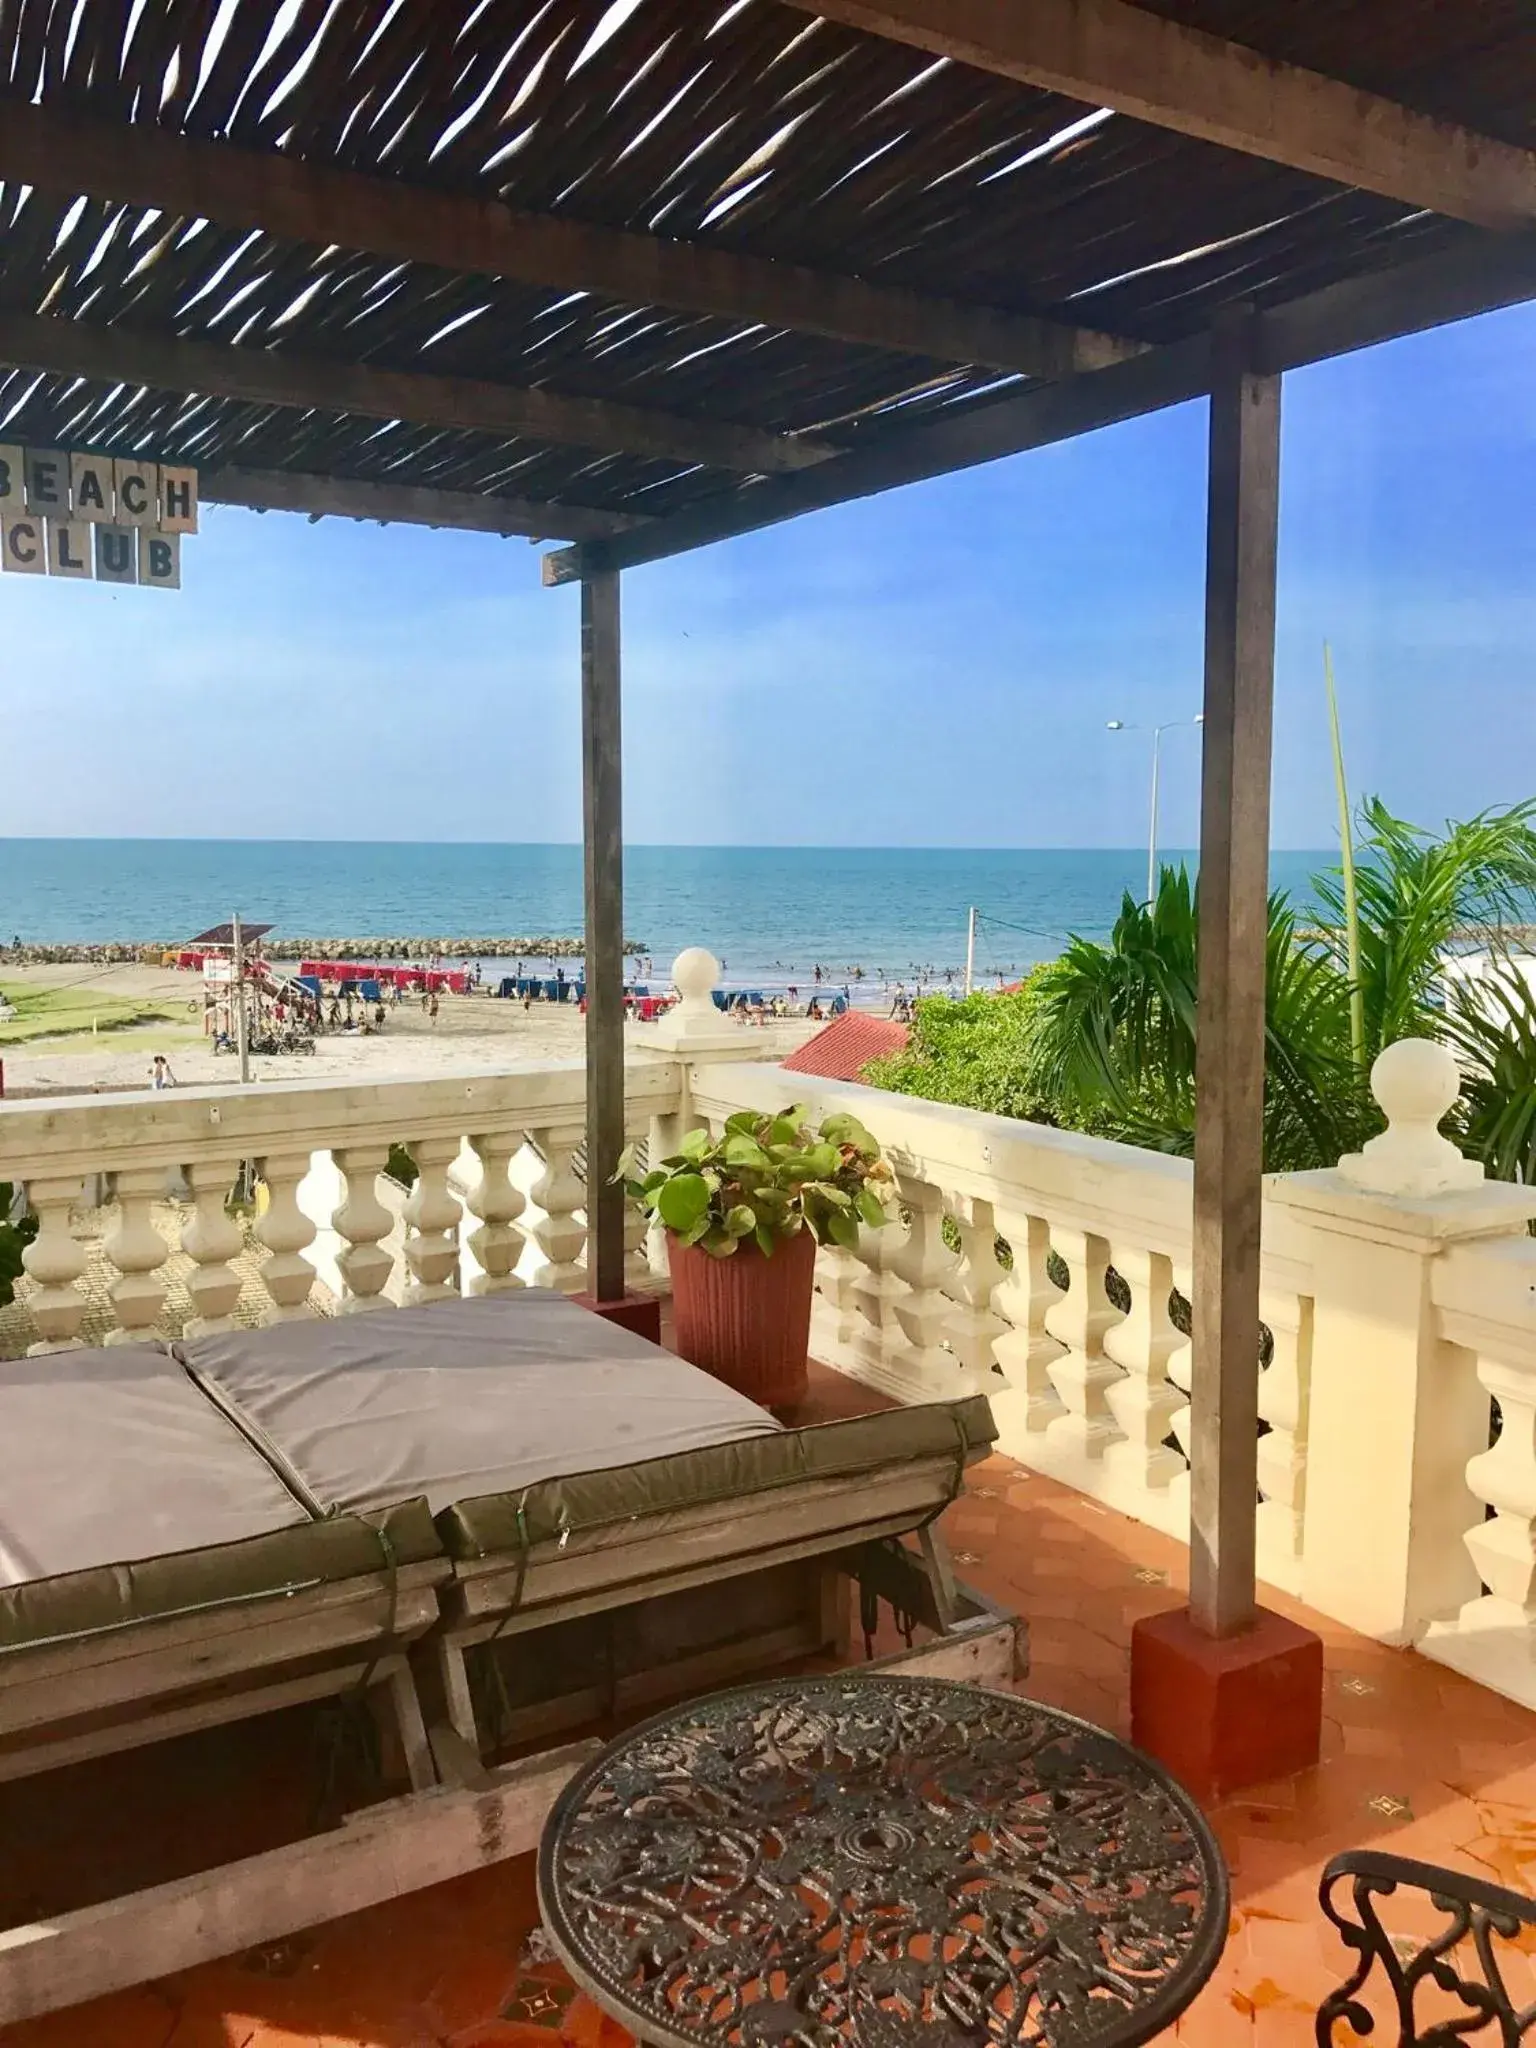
x: 69, y: 513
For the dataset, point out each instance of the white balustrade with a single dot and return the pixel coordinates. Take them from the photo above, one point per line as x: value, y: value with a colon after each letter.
x: 211, y: 1238
x: 1486, y: 1297
x: 920, y: 1307
x: 334, y: 1235
x: 286, y: 1232
x: 1143, y: 1402
x: 1085, y: 1372
x: 554, y: 1222
x: 1285, y: 1393
x: 137, y: 1251
x: 496, y: 1243
x: 56, y: 1260
x: 974, y: 1325
x: 362, y: 1222
x: 1026, y: 1349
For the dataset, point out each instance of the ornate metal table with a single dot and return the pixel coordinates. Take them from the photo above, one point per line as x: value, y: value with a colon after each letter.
x: 862, y: 1862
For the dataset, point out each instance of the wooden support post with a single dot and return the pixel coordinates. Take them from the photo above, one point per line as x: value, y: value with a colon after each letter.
x: 603, y: 832
x: 1224, y: 1692
x: 1241, y: 543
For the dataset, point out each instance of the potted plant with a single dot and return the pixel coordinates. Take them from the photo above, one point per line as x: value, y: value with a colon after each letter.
x: 743, y: 1214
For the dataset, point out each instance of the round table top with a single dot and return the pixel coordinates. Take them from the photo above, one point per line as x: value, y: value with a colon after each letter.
x: 865, y: 1861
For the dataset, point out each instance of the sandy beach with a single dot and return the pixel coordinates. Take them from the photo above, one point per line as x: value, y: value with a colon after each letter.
x: 471, y: 1031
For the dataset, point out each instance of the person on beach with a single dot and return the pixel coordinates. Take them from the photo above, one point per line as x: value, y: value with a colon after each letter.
x: 432, y: 1006
x: 160, y: 1075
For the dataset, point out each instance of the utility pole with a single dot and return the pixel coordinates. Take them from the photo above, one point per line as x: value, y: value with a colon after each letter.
x: 970, y: 951
x: 242, y: 1032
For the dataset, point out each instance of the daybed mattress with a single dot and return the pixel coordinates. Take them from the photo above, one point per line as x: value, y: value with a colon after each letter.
x: 126, y: 1495
x: 526, y: 1419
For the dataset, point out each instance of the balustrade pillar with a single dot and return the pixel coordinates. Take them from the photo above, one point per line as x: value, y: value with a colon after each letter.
x: 1143, y: 1402
x: 1083, y: 1374
x: 1027, y: 1349
x: 211, y: 1238
x: 1285, y: 1388
x: 556, y: 1231
x: 637, y: 1233
x: 362, y: 1221
x: 138, y: 1251
x: 432, y: 1216
x: 974, y: 1325
x: 496, y: 1243
x: 56, y: 1260
x: 285, y: 1231
x: 920, y: 1309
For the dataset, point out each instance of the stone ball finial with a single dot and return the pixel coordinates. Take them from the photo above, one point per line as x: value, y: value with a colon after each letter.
x: 1415, y: 1081
x: 694, y: 974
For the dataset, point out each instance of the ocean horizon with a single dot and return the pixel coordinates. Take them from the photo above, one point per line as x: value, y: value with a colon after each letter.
x: 771, y: 914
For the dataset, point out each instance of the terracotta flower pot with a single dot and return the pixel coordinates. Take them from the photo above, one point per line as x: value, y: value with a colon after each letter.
x: 746, y: 1319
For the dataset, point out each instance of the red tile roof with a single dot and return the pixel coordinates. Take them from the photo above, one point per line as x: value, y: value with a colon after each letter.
x: 845, y: 1048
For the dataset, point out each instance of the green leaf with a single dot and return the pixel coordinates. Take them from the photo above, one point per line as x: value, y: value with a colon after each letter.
x: 766, y: 1241
x: 741, y: 1150
x: 683, y: 1200
x: 743, y: 1123
x: 629, y: 1159
x: 842, y: 1229
x: 700, y: 1229
x: 719, y: 1244
x: 871, y: 1208
x: 740, y: 1221
x: 843, y: 1129
x: 697, y: 1145
x: 829, y: 1193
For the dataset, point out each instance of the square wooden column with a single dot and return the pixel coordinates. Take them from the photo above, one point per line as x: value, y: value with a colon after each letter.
x: 603, y: 853
x: 1223, y: 1691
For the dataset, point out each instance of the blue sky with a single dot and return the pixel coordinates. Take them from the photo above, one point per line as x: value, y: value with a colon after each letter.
x: 932, y: 668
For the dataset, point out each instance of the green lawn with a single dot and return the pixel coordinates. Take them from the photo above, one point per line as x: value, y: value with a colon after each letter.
x: 62, y: 1012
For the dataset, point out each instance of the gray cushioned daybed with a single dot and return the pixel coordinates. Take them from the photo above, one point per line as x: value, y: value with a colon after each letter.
x: 574, y: 1470
x: 157, y: 1573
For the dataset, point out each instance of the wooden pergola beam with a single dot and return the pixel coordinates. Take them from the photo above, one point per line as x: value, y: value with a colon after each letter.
x: 1108, y: 53
x: 325, y: 497
x: 323, y: 204
x: 276, y: 377
x: 1340, y: 318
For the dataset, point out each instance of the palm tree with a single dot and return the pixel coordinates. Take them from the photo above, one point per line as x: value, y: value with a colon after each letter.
x: 1114, y: 1033
x: 1417, y: 890
x: 1114, y: 1025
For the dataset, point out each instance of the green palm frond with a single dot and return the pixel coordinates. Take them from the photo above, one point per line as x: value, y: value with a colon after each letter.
x: 1491, y: 1026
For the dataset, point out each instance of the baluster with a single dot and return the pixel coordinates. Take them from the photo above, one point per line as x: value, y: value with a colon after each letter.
x: 138, y: 1251
x: 1082, y: 1374
x: 497, y: 1244
x: 1143, y: 1401
x: 55, y: 1259
x: 637, y: 1232
x: 974, y: 1326
x: 557, y: 1233
x: 432, y: 1216
x: 920, y: 1310
x: 210, y: 1239
x: 1027, y: 1294
x: 1285, y: 1389
x: 662, y: 1139
x: 1179, y: 1373
x: 1504, y: 1549
x: 285, y: 1230
x: 363, y: 1222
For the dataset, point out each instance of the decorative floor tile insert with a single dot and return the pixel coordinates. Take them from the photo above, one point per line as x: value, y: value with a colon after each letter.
x: 1149, y: 1575
x: 1389, y: 1807
x: 1358, y: 1688
x: 538, y: 2003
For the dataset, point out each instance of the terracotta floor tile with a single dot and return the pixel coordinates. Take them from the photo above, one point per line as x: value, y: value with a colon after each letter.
x: 435, y: 1970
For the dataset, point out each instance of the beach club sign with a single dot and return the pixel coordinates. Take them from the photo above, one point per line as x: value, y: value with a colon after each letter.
x: 119, y: 521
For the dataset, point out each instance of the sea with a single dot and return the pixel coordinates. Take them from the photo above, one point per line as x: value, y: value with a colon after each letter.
x: 770, y: 914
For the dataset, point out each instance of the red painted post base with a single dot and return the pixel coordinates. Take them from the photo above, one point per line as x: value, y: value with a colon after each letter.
x: 640, y: 1313
x: 1226, y: 1711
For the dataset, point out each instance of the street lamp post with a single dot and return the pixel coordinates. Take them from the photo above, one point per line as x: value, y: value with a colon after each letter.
x: 1170, y: 725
